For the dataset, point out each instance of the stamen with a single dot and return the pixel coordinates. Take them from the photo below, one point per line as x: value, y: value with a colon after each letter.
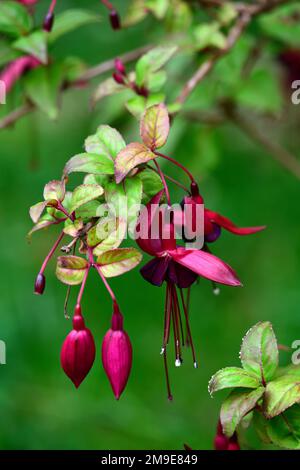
x: 170, y: 396
x: 216, y: 289
x: 188, y: 329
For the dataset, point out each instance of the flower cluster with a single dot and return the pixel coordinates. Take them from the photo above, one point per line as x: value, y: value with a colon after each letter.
x: 123, y: 193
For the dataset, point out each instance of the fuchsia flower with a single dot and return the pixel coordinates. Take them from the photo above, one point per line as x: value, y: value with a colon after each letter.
x: 16, y: 69
x: 78, y: 350
x: 178, y: 267
x: 117, y: 354
x: 28, y: 2
x: 213, y: 222
x: 222, y: 442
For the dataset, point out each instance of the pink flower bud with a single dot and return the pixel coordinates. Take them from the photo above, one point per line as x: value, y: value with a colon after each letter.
x: 78, y: 351
x: 221, y: 443
x: 48, y: 22
x: 120, y: 67
x: 114, y: 19
x: 118, y: 78
x: 40, y: 283
x: 16, y: 69
x: 233, y: 446
x: 117, y: 356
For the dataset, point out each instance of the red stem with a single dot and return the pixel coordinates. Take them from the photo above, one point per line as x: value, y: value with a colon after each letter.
x: 177, y: 164
x: 82, y: 288
x: 52, y: 6
x: 107, y: 4
x: 51, y: 252
x: 163, y: 180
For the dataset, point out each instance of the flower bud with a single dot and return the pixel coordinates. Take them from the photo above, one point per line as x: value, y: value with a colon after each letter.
x: 78, y: 351
x: 119, y: 66
x: 40, y: 283
x: 118, y: 78
x: 233, y: 446
x: 117, y: 356
x: 114, y: 20
x: 220, y: 442
x: 48, y: 22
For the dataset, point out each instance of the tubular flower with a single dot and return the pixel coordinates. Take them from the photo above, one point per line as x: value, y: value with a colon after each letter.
x: 179, y: 268
x: 213, y: 222
x: 117, y: 354
x: 16, y: 69
x: 78, y: 351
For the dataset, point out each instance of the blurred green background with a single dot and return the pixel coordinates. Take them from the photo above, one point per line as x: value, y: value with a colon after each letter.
x: 40, y: 408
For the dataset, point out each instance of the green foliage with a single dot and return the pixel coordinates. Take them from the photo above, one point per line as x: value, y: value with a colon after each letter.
x: 274, y: 399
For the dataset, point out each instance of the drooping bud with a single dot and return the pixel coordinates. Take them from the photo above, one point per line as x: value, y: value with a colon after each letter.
x: 114, y: 19
x: 40, y: 283
x: 48, y: 22
x: 233, y: 446
x: 78, y: 351
x: 118, y: 78
x: 119, y: 66
x: 117, y: 355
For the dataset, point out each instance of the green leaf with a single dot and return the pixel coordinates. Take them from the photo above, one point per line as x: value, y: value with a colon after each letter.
x: 206, y: 35
x: 83, y: 194
x: 152, y: 61
x: 259, y: 351
x: 280, y: 394
x: 157, y: 80
x: 136, y: 12
x: 73, y: 228
x: 283, y: 24
x: 284, y: 430
x: 106, y: 88
x: 89, y: 163
x: 116, y: 262
x: 179, y: 17
x: 7, y: 54
x: 236, y: 406
x: 158, y: 7
x: 88, y: 210
x: 45, y: 221
x: 42, y: 86
x: 136, y: 106
x: 54, y: 190
x: 232, y: 377
x: 151, y: 184
x: 71, y: 20
x: 155, y: 126
x: 36, y: 211
x: 227, y: 13
x: 71, y: 269
x: 110, y: 232
x: 260, y: 424
x: 35, y: 44
x: 106, y: 142
x: 126, y: 199
x: 132, y: 155
x: 14, y: 19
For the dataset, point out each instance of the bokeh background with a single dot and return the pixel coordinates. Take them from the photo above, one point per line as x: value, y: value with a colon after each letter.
x: 40, y: 408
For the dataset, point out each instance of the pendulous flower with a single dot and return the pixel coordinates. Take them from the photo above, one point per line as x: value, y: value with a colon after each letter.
x: 179, y: 268
x: 78, y: 350
x: 213, y: 222
x: 117, y: 354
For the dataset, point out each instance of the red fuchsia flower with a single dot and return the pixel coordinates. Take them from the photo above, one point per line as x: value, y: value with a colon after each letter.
x: 222, y: 442
x: 117, y: 354
x: 28, y: 2
x: 213, y: 222
x: 78, y: 350
x: 16, y: 69
x: 179, y: 268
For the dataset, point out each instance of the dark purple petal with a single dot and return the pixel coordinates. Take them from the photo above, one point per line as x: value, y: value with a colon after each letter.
x: 155, y: 270
x: 181, y: 276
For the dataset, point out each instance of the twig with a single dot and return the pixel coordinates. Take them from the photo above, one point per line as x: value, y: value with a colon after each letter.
x: 89, y: 74
x: 246, y: 14
x: 12, y: 117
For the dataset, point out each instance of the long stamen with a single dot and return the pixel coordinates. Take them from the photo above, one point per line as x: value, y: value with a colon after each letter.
x: 176, y: 327
x: 170, y: 396
x: 188, y: 329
